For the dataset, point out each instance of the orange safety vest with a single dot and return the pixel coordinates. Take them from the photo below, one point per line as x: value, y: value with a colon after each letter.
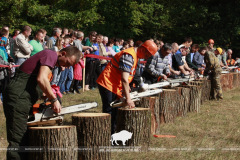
x: 111, y: 76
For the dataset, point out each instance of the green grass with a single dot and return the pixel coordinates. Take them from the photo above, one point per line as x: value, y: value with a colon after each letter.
x: 217, y: 126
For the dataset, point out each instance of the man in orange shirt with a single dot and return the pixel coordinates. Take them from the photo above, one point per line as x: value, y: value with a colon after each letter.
x: 115, y: 78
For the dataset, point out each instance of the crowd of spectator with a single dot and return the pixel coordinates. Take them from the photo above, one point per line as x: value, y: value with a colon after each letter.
x: 170, y: 60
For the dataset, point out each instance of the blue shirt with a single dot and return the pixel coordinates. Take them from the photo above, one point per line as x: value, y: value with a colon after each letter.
x: 3, y: 45
x: 96, y: 52
x: 116, y: 49
x: 192, y: 54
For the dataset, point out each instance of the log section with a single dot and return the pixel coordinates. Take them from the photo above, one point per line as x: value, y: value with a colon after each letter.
x: 138, y: 122
x: 93, y: 133
x: 153, y: 104
x: 58, y: 142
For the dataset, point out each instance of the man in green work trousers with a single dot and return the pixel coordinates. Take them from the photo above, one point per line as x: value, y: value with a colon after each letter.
x: 27, y: 86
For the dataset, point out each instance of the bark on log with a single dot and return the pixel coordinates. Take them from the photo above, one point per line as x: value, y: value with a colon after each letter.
x: 238, y: 79
x: 58, y: 142
x: 153, y: 104
x: 182, y: 101
x: 195, y: 98
x: 226, y: 81
x: 93, y: 133
x: 167, y: 104
x: 138, y: 122
x: 235, y: 80
x: 206, y: 90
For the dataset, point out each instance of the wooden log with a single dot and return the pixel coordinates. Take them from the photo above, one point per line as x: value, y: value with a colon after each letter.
x: 183, y: 101
x: 230, y: 81
x: 235, y: 80
x: 167, y: 104
x: 206, y: 90
x: 93, y: 133
x: 153, y: 104
x: 138, y: 122
x: 195, y: 98
x: 238, y: 79
x: 58, y: 142
x: 224, y: 82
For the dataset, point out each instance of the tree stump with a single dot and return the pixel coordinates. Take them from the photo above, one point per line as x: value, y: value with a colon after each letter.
x: 183, y: 101
x: 239, y: 79
x: 167, y: 104
x: 93, y: 133
x: 198, y: 83
x: 138, y: 122
x: 195, y: 98
x: 153, y: 104
x: 235, y: 80
x: 206, y: 90
x: 58, y: 142
x: 224, y: 82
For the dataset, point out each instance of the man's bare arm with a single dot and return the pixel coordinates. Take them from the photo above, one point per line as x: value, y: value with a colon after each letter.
x: 126, y: 89
x: 45, y: 86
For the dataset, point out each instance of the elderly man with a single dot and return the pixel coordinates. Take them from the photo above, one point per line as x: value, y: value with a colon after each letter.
x: 213, y: 67
x: 52, y: 40
x: 230, y: 61
x: 156, y: 65
x: 78, y: 42
x: 115, y: 78
x: 21, y: 48
x: 27, y: 86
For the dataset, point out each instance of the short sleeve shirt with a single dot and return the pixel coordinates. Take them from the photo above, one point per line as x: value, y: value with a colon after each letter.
x: 43, y: 58
x: 177, y: 61
x: 126, y: 62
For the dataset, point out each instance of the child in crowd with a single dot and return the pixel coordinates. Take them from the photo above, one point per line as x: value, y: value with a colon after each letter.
x: 77, y: 74
x: 66, y: 41
x: 3, y: 42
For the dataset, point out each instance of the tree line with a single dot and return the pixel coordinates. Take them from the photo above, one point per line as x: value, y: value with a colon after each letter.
x: 169, y: 21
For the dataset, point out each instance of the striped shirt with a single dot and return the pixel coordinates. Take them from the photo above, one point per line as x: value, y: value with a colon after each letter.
x: 126, y: 62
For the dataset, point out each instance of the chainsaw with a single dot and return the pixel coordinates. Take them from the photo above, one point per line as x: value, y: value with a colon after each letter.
x: 135, y: 96
x: 152, y: 89
x: 43, y: 114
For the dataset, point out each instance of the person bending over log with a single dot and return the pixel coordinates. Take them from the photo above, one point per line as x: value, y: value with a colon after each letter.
x: 115, y: 78
x: 26, y: 87
x: 157, y: 64
x: 178, y: 63
x: 213, y: 67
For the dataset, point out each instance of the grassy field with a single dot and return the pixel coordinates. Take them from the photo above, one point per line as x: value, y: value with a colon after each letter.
x: 214, y: 133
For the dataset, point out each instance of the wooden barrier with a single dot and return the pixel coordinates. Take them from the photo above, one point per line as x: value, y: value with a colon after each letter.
x: 58, y: 142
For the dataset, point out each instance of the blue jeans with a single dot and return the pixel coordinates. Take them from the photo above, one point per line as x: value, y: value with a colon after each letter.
x: 107, y: 97
x: 65, y: 79
x: 19, y: 61
x: 69, y: 79
x: 103, y: 66
x: 56, y: 76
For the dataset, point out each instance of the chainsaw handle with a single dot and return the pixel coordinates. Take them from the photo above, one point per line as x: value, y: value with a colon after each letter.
x: 116, y: 103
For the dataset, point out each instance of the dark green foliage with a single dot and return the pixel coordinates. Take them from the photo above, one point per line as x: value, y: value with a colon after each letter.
x: 169, y: 21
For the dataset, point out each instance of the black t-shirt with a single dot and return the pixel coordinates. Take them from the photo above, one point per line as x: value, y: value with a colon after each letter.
x: 177, y: 61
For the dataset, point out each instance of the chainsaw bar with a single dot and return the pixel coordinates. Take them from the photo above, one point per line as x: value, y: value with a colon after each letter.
x: 135, y: 96
x: 48, y: 114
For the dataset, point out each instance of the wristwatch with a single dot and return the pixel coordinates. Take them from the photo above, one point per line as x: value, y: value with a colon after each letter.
x: 53, y: 100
